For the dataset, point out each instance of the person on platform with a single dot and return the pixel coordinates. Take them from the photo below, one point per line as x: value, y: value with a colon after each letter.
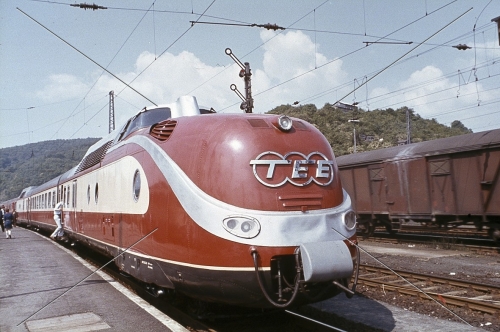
x: 2, y: 212
x: 14, y: 217
x: 59, y: 232
x: 8, y: 220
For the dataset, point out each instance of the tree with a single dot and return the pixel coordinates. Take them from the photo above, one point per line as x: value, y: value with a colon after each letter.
x: 460, y: 126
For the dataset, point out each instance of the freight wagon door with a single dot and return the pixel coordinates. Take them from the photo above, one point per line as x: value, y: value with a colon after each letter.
x: 490, y: 181
x: 377, y: 177
x: 441, y: 182
x: 355, y: 181
x: 467, y: 184
x: 397, y: 187
x: 419, y: 204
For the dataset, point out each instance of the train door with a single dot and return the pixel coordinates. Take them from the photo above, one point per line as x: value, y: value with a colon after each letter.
x: 66, y: 207
x: 74, y: 200
x: 28, y: 210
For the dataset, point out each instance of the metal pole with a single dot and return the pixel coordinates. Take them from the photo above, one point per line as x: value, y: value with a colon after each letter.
x: 408, y: 132
x: 248, y: 88
x: 111, y: 111
x: 354, y: 139
x: 354, y: 131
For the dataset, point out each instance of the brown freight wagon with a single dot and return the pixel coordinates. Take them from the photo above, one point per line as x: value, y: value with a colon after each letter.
x: 449, y: 181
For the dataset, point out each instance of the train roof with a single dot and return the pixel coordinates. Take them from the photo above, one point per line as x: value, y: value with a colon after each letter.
x: 442, y: 146
x: 51, y: 183
x: 184, y: 106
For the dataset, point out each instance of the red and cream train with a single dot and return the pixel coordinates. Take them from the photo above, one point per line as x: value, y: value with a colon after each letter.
x: 243, y: 209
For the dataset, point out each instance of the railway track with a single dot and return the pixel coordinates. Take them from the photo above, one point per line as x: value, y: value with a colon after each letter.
x: 447, y: 291
x: 460, y: 233
x: 480, y: 246
x: 449, y: 231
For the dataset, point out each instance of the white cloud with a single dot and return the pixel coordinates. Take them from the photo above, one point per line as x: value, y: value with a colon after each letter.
x: 286, y: 56
x: 62, y: 87
x: 294, y: 54
x: 431, y: 94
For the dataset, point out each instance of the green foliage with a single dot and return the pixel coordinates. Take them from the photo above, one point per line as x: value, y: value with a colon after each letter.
x: 375, y: 130
x: 36, y: 163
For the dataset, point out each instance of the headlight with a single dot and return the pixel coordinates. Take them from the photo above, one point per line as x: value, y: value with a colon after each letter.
x: 241, y: 226
x: 350, y: 220
x: 283, y: 123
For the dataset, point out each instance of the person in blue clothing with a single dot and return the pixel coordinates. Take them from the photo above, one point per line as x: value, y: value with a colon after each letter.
x: 8, y: 220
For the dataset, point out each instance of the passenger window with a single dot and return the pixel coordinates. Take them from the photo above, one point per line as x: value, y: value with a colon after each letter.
x: 137, y: 185
x: 96, y: 196
x: 88, y: 194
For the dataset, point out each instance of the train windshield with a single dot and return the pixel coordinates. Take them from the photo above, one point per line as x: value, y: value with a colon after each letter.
x: 146, y: 119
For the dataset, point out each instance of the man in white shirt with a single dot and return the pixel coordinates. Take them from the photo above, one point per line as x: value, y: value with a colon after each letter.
x: 57, y: 218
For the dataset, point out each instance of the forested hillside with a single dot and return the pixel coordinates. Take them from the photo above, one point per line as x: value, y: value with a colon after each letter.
x: 33, y: 164
x: 374, y: 129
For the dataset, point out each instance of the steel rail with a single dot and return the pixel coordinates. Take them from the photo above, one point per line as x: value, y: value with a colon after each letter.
x: 490, y: 307
x: 493, y: 250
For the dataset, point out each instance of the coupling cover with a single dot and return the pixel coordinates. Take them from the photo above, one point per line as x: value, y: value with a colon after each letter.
x: 326, y: 261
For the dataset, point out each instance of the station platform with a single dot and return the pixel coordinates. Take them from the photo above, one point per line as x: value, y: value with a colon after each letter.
x: 44, y: 287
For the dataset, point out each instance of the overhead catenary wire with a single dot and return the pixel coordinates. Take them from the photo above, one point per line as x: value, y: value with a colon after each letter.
x: 172, y: 44
x: 191, y: 11
x: 340, y: 57
x: 86, y: 56
x: 109, y: 63
x: 419, y: 44
x: 104, y: 68
x: 254, y: 49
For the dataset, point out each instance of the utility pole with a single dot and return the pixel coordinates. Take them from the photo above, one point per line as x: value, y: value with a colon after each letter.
x: 408, y: 129
x: 354, y: 131
x: 111, y: 111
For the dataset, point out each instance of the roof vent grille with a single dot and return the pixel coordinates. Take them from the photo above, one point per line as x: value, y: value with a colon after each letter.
x: 258, y: 123
x: 162, y: 130
x: 93, y: 158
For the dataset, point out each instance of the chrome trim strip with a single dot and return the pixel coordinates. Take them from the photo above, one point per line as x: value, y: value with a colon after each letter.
x: 155, y: 258
x: 131, y: 251
x: 279, y: 229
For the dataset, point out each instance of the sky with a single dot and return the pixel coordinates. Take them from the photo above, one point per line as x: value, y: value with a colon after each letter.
x: 392, y: 53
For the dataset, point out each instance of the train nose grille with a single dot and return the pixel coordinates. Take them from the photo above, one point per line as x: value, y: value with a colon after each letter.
x: 301, y: 202
x: 162, y: 130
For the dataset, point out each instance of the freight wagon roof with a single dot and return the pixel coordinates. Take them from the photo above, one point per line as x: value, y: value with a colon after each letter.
x: 436, y: 147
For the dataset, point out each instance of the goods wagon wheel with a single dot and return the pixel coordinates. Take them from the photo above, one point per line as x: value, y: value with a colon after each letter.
x: 389, y: 229
x: 366, y: 228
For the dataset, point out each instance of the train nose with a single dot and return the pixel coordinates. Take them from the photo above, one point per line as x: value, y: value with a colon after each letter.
x: 326, y: 261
